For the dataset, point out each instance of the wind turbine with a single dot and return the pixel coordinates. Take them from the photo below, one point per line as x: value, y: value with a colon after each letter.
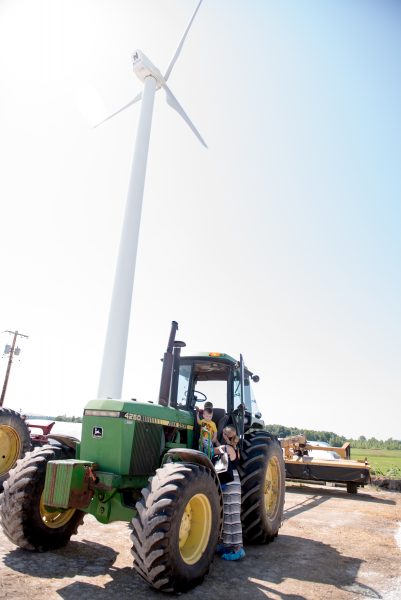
x: 113, y: 363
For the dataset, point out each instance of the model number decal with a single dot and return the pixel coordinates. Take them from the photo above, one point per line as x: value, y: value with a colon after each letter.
x: 145, y: 419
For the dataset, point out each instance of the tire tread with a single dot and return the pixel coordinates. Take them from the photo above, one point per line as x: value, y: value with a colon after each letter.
x: 152, y: 526
x: 257, y: 528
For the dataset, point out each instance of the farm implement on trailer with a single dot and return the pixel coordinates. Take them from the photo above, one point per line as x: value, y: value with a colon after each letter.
x: 316, y: 461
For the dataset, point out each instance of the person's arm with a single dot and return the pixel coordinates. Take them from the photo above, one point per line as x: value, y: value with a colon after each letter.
x: 231, y: 452
x: 226, y: 448
x: 198, y: 419
x: 215, y: 441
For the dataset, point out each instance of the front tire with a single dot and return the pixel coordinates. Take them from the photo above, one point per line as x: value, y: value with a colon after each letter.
x: 14, y: 441
x: 262, y: 473
x: 25, y: 520
x: 177, y: 527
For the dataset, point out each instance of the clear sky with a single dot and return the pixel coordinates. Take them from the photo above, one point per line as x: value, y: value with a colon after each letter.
x: 281, y: 241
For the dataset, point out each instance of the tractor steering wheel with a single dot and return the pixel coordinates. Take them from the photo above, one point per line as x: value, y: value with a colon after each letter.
x: 199, y: 399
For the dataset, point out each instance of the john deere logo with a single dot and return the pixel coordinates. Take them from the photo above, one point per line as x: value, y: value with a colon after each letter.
x: 97, y: 432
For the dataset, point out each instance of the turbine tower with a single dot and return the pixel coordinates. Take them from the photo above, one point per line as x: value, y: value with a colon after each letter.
x: 113, y: 363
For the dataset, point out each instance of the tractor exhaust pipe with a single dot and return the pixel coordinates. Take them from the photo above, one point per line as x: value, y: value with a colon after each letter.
x: 176, y: 372
x: 167, y: 370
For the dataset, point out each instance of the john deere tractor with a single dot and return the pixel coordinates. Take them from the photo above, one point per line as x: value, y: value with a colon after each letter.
x: 140, y: 463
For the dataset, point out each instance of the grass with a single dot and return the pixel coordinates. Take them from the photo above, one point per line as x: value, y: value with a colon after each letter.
x: 385, y: 463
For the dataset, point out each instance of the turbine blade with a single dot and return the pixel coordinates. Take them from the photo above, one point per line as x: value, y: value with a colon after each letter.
x: 173, y: 102
x: 136, y: 99
x: 180, y: 45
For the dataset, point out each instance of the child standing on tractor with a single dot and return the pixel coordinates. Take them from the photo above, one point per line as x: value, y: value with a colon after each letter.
x: 231, y: 546
x: 208, y: 429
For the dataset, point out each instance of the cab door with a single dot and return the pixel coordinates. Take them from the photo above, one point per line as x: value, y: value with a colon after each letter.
x: 238, y: 414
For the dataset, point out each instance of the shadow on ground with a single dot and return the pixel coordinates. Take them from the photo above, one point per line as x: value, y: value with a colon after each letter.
x: 85, y: 558
x: 258, y: 577
x: 299, y: 559
x: 303, y: 506
x: 328, y: 493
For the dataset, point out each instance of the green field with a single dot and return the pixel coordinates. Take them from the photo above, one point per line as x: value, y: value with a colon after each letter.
x: 382, y: 462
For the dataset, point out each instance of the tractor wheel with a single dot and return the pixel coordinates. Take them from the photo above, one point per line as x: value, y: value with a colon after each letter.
x: 24, y: 518
x: 177, y: 527
x: 262, y: 475
x: 14, y: 441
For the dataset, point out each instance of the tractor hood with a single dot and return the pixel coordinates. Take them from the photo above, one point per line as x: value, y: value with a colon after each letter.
x: 144, y: 412
x: 127, y: 437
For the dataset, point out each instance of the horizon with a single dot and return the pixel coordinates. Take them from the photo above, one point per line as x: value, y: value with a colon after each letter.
x: 48, y: 417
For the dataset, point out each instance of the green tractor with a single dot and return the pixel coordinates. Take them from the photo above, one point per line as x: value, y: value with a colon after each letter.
x: 140, y: 463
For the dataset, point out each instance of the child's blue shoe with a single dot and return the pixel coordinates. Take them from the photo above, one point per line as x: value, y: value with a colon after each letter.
x: 221, y: 549
x: 234, y: 555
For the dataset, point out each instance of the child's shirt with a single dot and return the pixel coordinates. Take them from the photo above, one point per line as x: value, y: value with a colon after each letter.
x: 210, y: 427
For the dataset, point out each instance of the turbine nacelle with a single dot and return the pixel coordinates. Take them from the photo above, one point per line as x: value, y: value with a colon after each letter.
x: 143, y: 68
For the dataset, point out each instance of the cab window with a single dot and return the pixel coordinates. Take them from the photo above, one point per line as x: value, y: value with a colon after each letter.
x: 183, y: 385
x: 248, y: 394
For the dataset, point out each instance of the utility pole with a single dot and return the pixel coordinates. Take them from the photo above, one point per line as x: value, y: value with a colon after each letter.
x: 10, y: 361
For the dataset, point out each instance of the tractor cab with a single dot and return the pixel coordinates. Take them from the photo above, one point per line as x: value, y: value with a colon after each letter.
x: 222, y: 380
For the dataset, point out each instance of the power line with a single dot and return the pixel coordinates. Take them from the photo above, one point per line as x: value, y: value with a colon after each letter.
x: 12, y: 350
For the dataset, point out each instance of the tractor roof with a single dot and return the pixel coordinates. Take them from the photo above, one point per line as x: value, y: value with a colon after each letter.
x: 212, y: 356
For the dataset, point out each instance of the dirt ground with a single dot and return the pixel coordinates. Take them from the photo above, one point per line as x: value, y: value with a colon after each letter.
x: 332, y: 546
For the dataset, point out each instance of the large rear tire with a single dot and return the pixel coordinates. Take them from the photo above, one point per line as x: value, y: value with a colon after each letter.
x: 177, y: 527
x: 262, y: 473
x: 24, y: 518
x: 14, y: 441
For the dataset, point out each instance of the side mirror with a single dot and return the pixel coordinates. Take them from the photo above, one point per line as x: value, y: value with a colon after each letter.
x: 255, y: 378
x: 258, y: 415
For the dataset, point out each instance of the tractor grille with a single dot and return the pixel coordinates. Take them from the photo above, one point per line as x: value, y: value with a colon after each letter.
x: 146, y: 449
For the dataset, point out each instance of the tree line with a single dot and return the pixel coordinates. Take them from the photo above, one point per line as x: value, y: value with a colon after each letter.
x: 68, y: 419
x: 52, y: 418
x: 333, y: 439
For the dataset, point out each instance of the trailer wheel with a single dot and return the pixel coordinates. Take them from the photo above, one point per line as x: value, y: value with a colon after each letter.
x: 262, y: 475
x: 177, y: 527
x: 24, y: 518
x: 14, y: 441
x: 352, y: 487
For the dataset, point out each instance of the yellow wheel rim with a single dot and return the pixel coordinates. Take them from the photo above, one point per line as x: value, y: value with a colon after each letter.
x: 195, y: 528
x: 57, y: 518
x: 272, y: 487
x: 10, y: 448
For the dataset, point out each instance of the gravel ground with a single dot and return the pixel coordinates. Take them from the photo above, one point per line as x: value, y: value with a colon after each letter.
x: 332, y: 546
